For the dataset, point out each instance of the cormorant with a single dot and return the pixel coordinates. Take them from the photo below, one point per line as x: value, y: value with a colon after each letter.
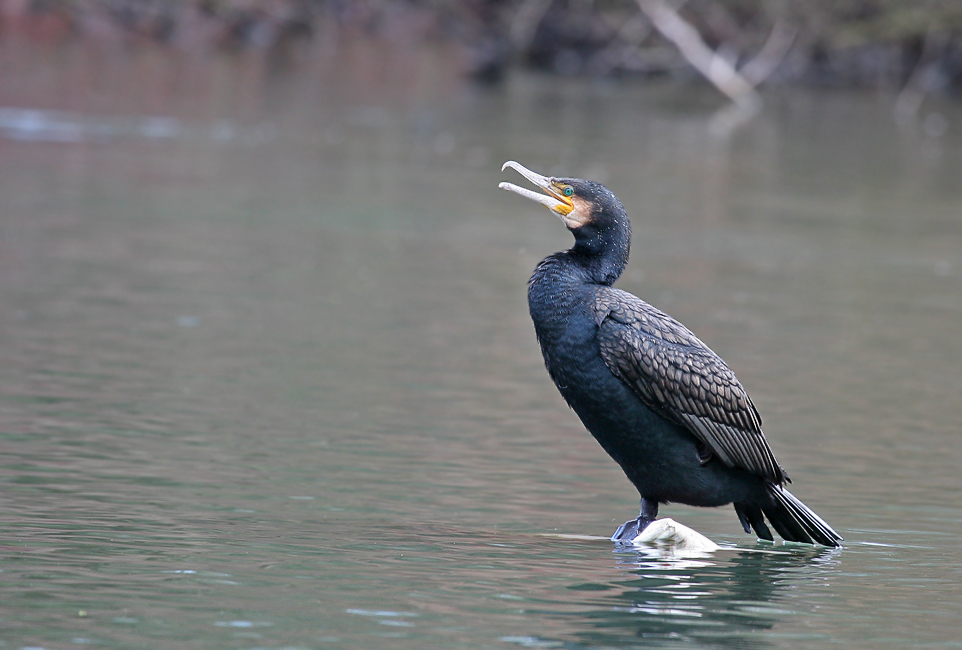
x: 665, y: 407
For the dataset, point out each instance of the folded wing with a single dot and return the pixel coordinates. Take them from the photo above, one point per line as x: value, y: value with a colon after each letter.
x: 677, y: 375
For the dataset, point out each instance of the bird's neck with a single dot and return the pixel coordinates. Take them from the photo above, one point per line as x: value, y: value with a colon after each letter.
x: 597, y: 262
x: 562, y: 282
x: 562, y: 278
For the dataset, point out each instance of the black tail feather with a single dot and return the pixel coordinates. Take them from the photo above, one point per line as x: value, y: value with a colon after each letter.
x: 790, y: 518
x: 814, y: 525
x: 785, y: 523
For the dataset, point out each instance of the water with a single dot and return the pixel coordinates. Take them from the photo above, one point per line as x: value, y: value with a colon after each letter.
x: 268, y: 379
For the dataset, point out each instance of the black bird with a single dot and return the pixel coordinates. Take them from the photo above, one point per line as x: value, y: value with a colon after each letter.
x: 665, y: 407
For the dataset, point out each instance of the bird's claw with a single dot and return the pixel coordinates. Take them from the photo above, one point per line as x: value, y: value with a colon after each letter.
x: 629, y: 530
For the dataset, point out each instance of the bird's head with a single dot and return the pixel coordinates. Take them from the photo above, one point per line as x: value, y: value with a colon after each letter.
x: 561, y: 195
x: 591, y: 212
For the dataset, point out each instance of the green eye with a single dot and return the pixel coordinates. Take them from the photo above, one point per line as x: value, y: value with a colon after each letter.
x: 568, y: 191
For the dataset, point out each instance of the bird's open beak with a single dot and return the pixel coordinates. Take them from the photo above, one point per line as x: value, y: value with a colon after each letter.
x: 553, y: 199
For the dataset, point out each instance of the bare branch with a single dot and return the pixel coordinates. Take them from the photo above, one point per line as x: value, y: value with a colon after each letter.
x: 525, y: 22
x: 686, y: 38
x: 924, y: 78
x: 771, y: 55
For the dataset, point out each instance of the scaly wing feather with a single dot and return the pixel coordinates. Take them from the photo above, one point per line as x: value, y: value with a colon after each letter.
x: 678, y: 376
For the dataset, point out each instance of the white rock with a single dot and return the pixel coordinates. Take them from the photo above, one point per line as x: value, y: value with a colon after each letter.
x: 668, y: 534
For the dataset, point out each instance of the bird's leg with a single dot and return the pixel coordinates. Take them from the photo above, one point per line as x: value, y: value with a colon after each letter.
x: 630, y: 529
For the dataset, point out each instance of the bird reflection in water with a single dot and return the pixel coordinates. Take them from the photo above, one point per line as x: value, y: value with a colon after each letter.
x: 720, y: 600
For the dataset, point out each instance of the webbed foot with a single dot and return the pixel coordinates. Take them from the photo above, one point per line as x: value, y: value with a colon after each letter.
x: 631, y: 529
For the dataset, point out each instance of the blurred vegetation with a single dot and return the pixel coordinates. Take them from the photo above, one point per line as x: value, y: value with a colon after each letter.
x: 889, y: 43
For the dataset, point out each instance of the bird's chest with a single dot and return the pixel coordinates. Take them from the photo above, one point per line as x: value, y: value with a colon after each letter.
x: 567, y: 333
x: 569, y: 344
x: 563, y: 311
